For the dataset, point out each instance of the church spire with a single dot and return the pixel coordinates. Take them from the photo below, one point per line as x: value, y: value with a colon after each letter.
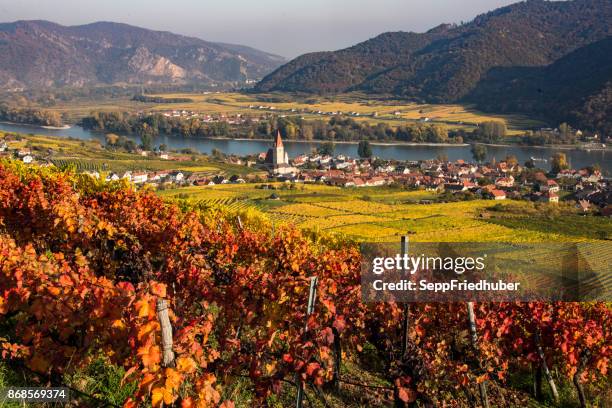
x: 278, y: 142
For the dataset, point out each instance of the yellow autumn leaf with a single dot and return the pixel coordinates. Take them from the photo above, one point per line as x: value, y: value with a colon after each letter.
x: 143, y: 308
x: 270, y: 367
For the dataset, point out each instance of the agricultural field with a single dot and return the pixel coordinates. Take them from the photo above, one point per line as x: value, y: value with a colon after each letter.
x: 383, y: 214
x: 92, y: 156
x: 393, y: 112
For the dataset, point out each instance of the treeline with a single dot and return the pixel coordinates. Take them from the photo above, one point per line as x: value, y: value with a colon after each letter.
x: 153, y: 125
x: 293, y: 128
x: 30, y: 116
x: 160, y: 99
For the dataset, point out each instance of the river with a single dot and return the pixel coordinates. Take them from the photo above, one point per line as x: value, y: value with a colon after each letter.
x: 577, y: 158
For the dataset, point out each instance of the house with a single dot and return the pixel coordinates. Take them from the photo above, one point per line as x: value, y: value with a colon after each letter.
x: 164, y: 156
x: 27, y: 159
x: 93, y: 174
x: 551, y: 197
x: 549, y: 185
x: 177, y: 176
x: 454, y: 187
x: 498, y: 194
x: 359, y: 182
x: 376, y: 181
x: 505, y: 182
x: 159, y: 176
x: 112, y: 177
x: 3, y: 146
x: 139, y: 177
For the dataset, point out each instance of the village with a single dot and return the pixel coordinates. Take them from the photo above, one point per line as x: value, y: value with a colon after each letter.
x: 458, y: 180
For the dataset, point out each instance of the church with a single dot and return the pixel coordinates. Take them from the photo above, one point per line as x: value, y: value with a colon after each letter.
x: 277, y: 159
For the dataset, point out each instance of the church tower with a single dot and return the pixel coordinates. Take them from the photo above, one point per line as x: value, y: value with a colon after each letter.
x: 279, y: 156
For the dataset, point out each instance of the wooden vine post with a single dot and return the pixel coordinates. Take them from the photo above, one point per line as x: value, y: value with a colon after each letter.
x: 166, y: 333
x: 312, y: 296
x: 337, y: 359
x: 398, y: 402
x: 482, y: 386
x: 406, y: 306
x: 547, y: 374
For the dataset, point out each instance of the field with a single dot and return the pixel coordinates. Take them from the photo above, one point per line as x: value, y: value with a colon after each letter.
x: 91, y: 155
x: 394, y: 112
x: 384, y: 213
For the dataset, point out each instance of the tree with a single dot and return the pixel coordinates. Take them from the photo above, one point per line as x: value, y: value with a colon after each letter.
x: 217, y: 154
x: 442, y: 157
x: 558, y: 163
x: 511, y: 160
x: 364, y: 150
x: 327, y: 149
x: 112, y: 139
x: 565, y: 130
x: 491, y: 131
x: 163, y: 147
x: 146, y: 141
x: 479, y: 152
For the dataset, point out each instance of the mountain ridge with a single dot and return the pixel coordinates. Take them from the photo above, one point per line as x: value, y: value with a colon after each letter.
x: 445, y: 63
x: 40, y: 53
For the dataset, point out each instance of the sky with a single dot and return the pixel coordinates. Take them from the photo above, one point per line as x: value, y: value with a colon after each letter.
x: 284, y: 27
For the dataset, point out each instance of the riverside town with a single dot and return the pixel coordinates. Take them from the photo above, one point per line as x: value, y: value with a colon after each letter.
x: 322, y: 204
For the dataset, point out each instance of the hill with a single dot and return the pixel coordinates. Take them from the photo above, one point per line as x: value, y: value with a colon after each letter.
x: 446, y: 63
x: 576, y: 87
x: 45, y: 54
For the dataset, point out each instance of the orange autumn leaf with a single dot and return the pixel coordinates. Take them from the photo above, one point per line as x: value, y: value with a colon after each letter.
x: 158, y: 289
x: 143, y: 307
x: 150, y: 356
x: 160, y: 396
x: 173, y: 379
x: 186, y: 365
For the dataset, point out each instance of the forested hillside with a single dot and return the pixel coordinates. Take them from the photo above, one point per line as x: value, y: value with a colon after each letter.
x: 574, y: 88
x: 449, y: 63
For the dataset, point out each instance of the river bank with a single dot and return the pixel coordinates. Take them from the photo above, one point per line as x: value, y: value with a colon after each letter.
x: 64, y: 127
x: 385, y: 150
x: 347, y: 142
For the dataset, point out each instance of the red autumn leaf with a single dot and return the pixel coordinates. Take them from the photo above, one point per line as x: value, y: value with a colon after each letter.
x: 406, y: 394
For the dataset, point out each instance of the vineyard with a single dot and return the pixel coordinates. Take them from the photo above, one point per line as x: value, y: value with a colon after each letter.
x: 92, y: 156
x: 384, y: 213
x: 198, y: 307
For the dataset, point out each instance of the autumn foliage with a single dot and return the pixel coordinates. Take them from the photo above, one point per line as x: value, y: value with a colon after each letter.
x: 83, y: 264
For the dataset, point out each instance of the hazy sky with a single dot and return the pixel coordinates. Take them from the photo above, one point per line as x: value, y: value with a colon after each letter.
x: 284, y: 27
